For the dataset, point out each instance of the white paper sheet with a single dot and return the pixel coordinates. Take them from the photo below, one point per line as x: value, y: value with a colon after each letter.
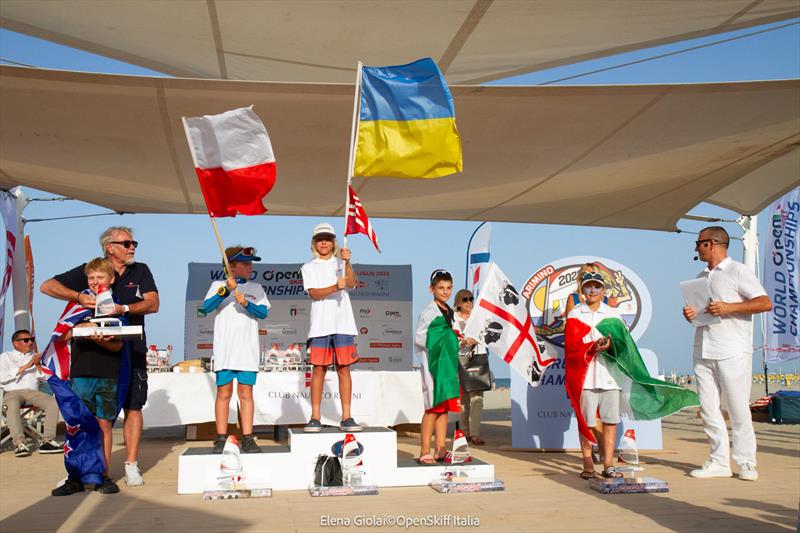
x: 697, y: 293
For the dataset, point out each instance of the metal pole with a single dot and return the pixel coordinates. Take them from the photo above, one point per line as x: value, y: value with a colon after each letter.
x: 19, y: 277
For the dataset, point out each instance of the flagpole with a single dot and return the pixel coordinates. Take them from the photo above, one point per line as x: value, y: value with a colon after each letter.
x: 210, y: 215
x: 351, y: 160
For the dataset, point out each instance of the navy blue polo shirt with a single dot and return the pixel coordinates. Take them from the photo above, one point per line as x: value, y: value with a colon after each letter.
x: 127, y: 289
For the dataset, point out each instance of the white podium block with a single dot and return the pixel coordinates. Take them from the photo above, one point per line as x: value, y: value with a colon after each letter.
x: 198, y: 469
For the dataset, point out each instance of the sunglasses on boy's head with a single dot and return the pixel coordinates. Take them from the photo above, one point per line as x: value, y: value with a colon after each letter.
x: 440, y: 274
x: 467, y: 298
x: 126, y: 243
x: 592, y: 276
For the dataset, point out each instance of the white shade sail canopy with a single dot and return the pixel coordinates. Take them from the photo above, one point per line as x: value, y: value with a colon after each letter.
x: 620, y: 156
x: 473, y: 41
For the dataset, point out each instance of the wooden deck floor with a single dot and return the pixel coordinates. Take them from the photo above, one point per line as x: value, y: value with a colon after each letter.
x: 543, y: 493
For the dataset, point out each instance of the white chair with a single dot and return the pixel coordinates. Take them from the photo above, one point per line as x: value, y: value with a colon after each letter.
x: 32, y: 420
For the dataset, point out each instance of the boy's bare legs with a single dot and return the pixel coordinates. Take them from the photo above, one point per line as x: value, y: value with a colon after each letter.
x: 440, y: 436
x: 246, y: 407
x: 105, y: 427
x: 132, y: 433
x: 609, y: 438
x: 224, y: 393
x: 317, y: 384
x: 345, y: 390
x: 426, y: 431
x: 586, y: 453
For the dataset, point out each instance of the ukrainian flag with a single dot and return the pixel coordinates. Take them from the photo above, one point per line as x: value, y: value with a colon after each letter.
x: 407, y: 126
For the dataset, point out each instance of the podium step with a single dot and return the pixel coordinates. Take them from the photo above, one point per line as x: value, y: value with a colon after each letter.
x: 291, y: 467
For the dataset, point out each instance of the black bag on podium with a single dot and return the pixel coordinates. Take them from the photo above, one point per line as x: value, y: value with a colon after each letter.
x: 328, y: 471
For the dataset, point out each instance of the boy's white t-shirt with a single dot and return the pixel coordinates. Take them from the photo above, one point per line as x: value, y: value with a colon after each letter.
x: 334, y: 314
x: 236, y: 345
x: 597, y: 376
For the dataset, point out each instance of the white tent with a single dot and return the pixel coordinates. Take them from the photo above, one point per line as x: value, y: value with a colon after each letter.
x: 474, y: 41
x: 634, y: 156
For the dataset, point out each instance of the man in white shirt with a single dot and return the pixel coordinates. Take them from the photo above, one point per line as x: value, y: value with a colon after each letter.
x: 21, y: 387
x: 723, y: 355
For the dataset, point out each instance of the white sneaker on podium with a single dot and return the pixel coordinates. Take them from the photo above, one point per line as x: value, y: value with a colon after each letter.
x: 711, y: 469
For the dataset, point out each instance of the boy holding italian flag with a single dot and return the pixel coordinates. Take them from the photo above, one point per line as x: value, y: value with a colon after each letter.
x: 605, y: 374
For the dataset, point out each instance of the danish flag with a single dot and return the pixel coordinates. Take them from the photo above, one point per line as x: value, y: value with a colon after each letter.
x: 357, y: 220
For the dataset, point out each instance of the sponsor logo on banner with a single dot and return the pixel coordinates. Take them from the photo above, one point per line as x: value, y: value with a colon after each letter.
x: 386, y: 345
x: 363, y: 330
x: 205, y: 346
x: 393, y: 332
x: 394, y: 314
x: 548, y: 290
x: 370, y: 359
x: 363, y: 312
x: 263, y: 332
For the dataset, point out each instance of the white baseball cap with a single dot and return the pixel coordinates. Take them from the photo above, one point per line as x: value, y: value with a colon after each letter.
x: 323, y: 229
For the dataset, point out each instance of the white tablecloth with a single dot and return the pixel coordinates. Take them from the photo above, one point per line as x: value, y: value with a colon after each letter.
x: 379, y: 399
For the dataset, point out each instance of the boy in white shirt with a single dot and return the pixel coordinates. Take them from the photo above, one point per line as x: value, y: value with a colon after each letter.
x: 236, y: 346
x: 600, y: 388
x: 332, y: 331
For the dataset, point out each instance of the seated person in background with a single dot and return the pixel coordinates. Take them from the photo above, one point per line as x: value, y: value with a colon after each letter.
x: 21, y: 387
x: 236, y: 347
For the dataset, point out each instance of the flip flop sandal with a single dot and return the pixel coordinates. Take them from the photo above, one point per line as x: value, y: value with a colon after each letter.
x: 426, y: 460
x: 588, y: 475
x: 612, y: 473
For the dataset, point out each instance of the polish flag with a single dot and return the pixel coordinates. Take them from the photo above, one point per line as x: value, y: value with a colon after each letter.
x: 233, y: 160
x: 357, y: 220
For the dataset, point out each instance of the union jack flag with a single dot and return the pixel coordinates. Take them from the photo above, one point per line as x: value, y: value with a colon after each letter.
x: 56, y: 356
x: 357, y: 220
x: 83, y: 442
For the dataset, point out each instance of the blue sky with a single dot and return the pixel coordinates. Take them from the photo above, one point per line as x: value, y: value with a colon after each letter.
x: 662, y: 260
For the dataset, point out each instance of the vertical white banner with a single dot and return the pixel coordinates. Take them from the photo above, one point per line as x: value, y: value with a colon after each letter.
x: 782, y: 279
x: 8, y: 209
x: 478, y: 257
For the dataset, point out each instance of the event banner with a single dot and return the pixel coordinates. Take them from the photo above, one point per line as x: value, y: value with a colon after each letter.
x: 542, y: 417
x: 381, y: 305
x: 782, y: 279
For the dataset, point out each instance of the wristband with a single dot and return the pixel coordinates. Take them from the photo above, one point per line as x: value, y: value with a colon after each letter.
x: 126, y: 309
x: 222, y: 291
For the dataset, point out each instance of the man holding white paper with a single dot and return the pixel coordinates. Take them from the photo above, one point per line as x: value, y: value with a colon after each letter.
x: 723, y: 355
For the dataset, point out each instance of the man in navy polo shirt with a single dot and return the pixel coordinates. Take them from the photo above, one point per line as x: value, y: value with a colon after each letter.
x: 137, y: 295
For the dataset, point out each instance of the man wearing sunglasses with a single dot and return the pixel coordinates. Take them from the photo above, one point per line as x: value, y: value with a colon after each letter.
x: 723, y: 355
x: 21, y: 387
x: 136, y: 294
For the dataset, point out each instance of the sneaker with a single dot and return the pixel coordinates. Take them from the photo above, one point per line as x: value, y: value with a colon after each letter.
x: 711, y: 469
x: 107, y: 486
x: 22, y: 450
x: 748, y: 472
x: 219, y: 444
x: 249, y: 445
x: 349, y: 425
x: 70, y: 486
x: 313, y: 426
x: 133, y: 478
x: 51, y: 446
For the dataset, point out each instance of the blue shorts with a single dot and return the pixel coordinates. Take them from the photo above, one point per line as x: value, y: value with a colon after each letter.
x: 244, y: 377
x: 99, y: 395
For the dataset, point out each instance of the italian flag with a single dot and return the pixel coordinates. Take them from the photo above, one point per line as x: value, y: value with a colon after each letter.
x: 437, y: 347
x: 643, y: 397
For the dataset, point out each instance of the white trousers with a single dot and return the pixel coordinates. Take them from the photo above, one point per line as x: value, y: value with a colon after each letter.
x: 730, y: 379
